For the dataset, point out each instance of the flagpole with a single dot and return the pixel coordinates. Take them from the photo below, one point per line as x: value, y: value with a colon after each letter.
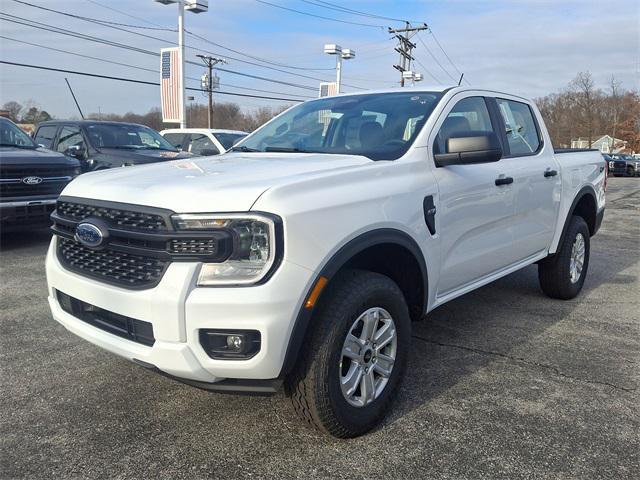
x: 183, y: 106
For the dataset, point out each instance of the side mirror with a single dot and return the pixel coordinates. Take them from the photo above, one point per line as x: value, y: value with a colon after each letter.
x: 465, y: 148
x: 75, y: 151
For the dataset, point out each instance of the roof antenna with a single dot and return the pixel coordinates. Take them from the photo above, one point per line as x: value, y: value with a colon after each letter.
x: 74, y: 97
x: 459, y: 81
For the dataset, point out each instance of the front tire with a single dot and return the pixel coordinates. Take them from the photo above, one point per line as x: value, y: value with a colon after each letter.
x: 352, y: 364
x: 562, y: 275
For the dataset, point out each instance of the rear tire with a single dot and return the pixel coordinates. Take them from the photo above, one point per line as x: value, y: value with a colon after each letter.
x: 562, y: 275
x: 326, y: 388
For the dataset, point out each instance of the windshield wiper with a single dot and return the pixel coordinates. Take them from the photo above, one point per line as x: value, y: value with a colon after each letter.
x: 242, y: 148
x: 286, y: 150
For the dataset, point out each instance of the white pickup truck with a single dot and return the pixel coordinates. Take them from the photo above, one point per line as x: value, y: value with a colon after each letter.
x: 301, y: 258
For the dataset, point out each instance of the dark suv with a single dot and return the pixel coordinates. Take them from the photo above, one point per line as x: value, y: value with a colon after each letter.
x: 621, y: 165
x: 31, y: 178
x: 100, y: 145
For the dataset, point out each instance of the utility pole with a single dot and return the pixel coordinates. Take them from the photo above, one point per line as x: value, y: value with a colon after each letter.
x: 405, y: 46
x: 210, y: 62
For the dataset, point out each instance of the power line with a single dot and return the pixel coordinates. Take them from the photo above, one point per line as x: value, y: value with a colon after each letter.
x: 251, y: 56
x: 426, y: 70
x: 62, y: 31
x: 143, y: 82
x: 435, y: 59
x: 338, y: 8
x: 318, y: 16
x: 445, y: 54
x: 124, y: 13
x: 142, y: 68
x: 100, y: 22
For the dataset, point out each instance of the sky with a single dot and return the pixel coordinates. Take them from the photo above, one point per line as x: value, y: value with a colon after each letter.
x: 526, y: 47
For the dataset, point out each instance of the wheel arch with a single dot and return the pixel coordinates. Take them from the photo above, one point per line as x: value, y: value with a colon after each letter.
x: 371, y: 251
x: 584, y: 205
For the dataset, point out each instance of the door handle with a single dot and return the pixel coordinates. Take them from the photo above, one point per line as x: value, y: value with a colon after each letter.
x: 504, y: 181
x: 550, y: 173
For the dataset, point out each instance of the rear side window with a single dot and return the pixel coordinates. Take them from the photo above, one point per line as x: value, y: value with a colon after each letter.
x: 469, y: 114
x: 45, y: 135
x: 175, y: 139
x: 521, y: 130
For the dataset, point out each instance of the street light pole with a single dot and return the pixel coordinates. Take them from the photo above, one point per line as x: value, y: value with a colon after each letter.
x: 338, y: 72
x: 194, y: 6
x: 183, y: 106
x: 341, y: 54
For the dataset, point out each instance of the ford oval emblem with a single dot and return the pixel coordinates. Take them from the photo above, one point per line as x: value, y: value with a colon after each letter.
x: 88, y: 234
x: 32, y: 180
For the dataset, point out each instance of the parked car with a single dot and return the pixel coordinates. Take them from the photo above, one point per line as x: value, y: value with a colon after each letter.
x: 31, y: 178
x: 100, y: 145
x: 622, y: 165
x: 302, y: 257
x: 203, y: 141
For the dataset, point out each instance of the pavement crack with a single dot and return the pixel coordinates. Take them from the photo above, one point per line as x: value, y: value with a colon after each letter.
x: 524, y: 361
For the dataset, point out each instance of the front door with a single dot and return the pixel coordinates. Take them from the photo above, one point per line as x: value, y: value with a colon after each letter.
x: 475, y: 214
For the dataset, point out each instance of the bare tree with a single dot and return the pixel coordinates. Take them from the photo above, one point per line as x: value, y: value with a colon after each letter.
x: 614, y: 86
x: 14, y: 109
x: 586, y: 98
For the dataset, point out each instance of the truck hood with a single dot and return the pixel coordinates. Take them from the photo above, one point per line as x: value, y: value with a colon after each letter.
x: 225, y: 183
x: 34, y: 156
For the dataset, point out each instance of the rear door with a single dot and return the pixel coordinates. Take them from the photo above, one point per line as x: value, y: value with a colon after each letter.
x: 537, y: 185
x: 475, y: 214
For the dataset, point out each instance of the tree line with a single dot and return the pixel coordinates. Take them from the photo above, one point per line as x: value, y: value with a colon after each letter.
x: 582, y: 110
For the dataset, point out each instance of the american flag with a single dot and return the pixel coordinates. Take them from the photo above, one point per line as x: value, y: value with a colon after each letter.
x: 170, y: 84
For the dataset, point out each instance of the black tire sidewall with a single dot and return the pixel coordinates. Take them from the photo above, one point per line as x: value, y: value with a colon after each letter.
x: 578, y: 225
x: 384, y: 294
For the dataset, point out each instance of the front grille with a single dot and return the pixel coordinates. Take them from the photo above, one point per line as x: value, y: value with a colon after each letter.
x: 126, y: 327
x: 111, y: 266
x: 619, y: 164
x: 115, y: 217
x: 11, y: 176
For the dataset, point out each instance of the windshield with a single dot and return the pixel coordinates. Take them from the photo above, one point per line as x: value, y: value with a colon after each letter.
x: 12, y: 136
x: 227, y: 139
x: 127, y: 136
x: 380, y: 126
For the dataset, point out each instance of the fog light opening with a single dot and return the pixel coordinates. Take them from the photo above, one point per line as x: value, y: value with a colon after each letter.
x: 230, y: 344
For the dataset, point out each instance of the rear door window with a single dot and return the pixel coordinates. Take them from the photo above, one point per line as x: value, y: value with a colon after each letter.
x: 45, y: 135
x: 522, y: 132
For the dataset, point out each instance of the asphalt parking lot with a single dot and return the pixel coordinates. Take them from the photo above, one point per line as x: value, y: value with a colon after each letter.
x: 503, y: 383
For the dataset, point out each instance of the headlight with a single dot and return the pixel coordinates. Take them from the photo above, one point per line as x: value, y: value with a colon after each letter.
x: 254, y: 246
x: 610, y: 164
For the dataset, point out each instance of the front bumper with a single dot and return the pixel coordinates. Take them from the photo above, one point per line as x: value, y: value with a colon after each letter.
x: 178, y: 310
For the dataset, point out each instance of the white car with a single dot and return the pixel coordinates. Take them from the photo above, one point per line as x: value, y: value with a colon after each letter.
x: 203, y: 141
x: 302, y: 257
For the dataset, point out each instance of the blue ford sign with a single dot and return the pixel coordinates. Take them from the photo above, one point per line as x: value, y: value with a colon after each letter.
x: 88, y: 234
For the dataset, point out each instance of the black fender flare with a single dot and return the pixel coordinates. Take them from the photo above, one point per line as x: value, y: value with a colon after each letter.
x: 333, y: 266
x: 584, y: 191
